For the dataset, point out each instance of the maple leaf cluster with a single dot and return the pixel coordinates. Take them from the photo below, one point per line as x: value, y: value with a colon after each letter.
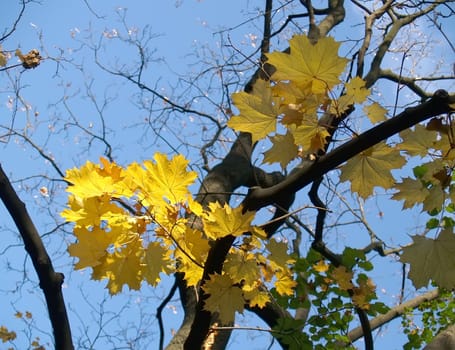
x: 298, y: 94
x: 133, y: 224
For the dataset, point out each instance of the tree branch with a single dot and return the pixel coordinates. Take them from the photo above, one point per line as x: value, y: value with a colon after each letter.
x: 50, y: 281
x: 393, y: 313
x: 258, y: 198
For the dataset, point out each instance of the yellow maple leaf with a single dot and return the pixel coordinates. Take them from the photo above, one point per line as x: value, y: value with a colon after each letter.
x: 156, y: 260
x: 242, y: 267
x: 283, y: 150
x: 194, y: 244
x: 375, y: 112
x: 411, y: 191
x: 222, y: 221
x: 171, y: 176
x: 159, y: 180
x: 284, y: 283
x: 91, y: 246
x: 343, y: 277
x: 257, y: 297
x: 225, y: 298
x: 417, y: 142
x: 364, y: 293
x: 279, y: 257
x: 356, y: 88
x: 372, y: 168
x: 191, y: 252
x: 258, y: 111
x: 431, y: 259
x: 297, y: 102
x: 310, y: 135
x: 317, y: 66
x: 321, y: 266
x: 87, y: 181
x: 341, y: 105
x: 122, y: 267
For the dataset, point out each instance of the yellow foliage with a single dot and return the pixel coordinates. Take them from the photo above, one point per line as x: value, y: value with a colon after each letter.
x: 225, y: 298
x: 343, y: 277
x: 279, y: 258
x: 242, y: 267
x: 221, y: 221
x: 317, y: 66
x: 6, y: 335
x: 375, y: 112
x: 372, y: 168
x: 258, y: 111
x: 283, y: 150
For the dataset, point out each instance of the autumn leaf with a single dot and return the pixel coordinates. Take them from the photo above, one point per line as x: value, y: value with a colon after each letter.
x: 317, y: 66
x: 224, y: 297
x: 258, y: 111
x: 372, y: 168
x: 417, y: 142
x: 375, y: 112
x: 321, y: 266
x: 191, y: 252
x: 310, y: 135
x: 170, y: 176
x: 256, y: 297
x: 341, y: 105
x: 90, y: 247
x: 356, y: 88
x: 30, y: 60
x: 284, y: 283
x: 156, y: 261
x: 431, y: 259
x: 279, y: 256
x: 242, y: 267
x: 122, y: 267
x: 343, y: 277
x: 363, y: 293
x: 87, y: 181
x: 411, y: 191
x: 435, y: 199
x: 222, y: 221
x: 6, y: 335
x: 283, y: 150
x: 3, y: 58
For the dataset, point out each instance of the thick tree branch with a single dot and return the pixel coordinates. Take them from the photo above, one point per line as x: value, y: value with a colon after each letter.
x: 443, y: 341
x: 50, y: 281
x: 260, y: 197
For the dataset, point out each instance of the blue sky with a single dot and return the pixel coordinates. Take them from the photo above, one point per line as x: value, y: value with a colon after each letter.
x: 185, y: 33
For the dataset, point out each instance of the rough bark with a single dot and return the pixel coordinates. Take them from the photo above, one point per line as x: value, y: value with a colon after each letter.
x: 443, y: 341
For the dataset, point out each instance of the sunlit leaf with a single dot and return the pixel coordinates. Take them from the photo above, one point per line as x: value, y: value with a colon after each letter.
x: 317, y: 66
x: 258, y: 111
x: 372, y: 168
